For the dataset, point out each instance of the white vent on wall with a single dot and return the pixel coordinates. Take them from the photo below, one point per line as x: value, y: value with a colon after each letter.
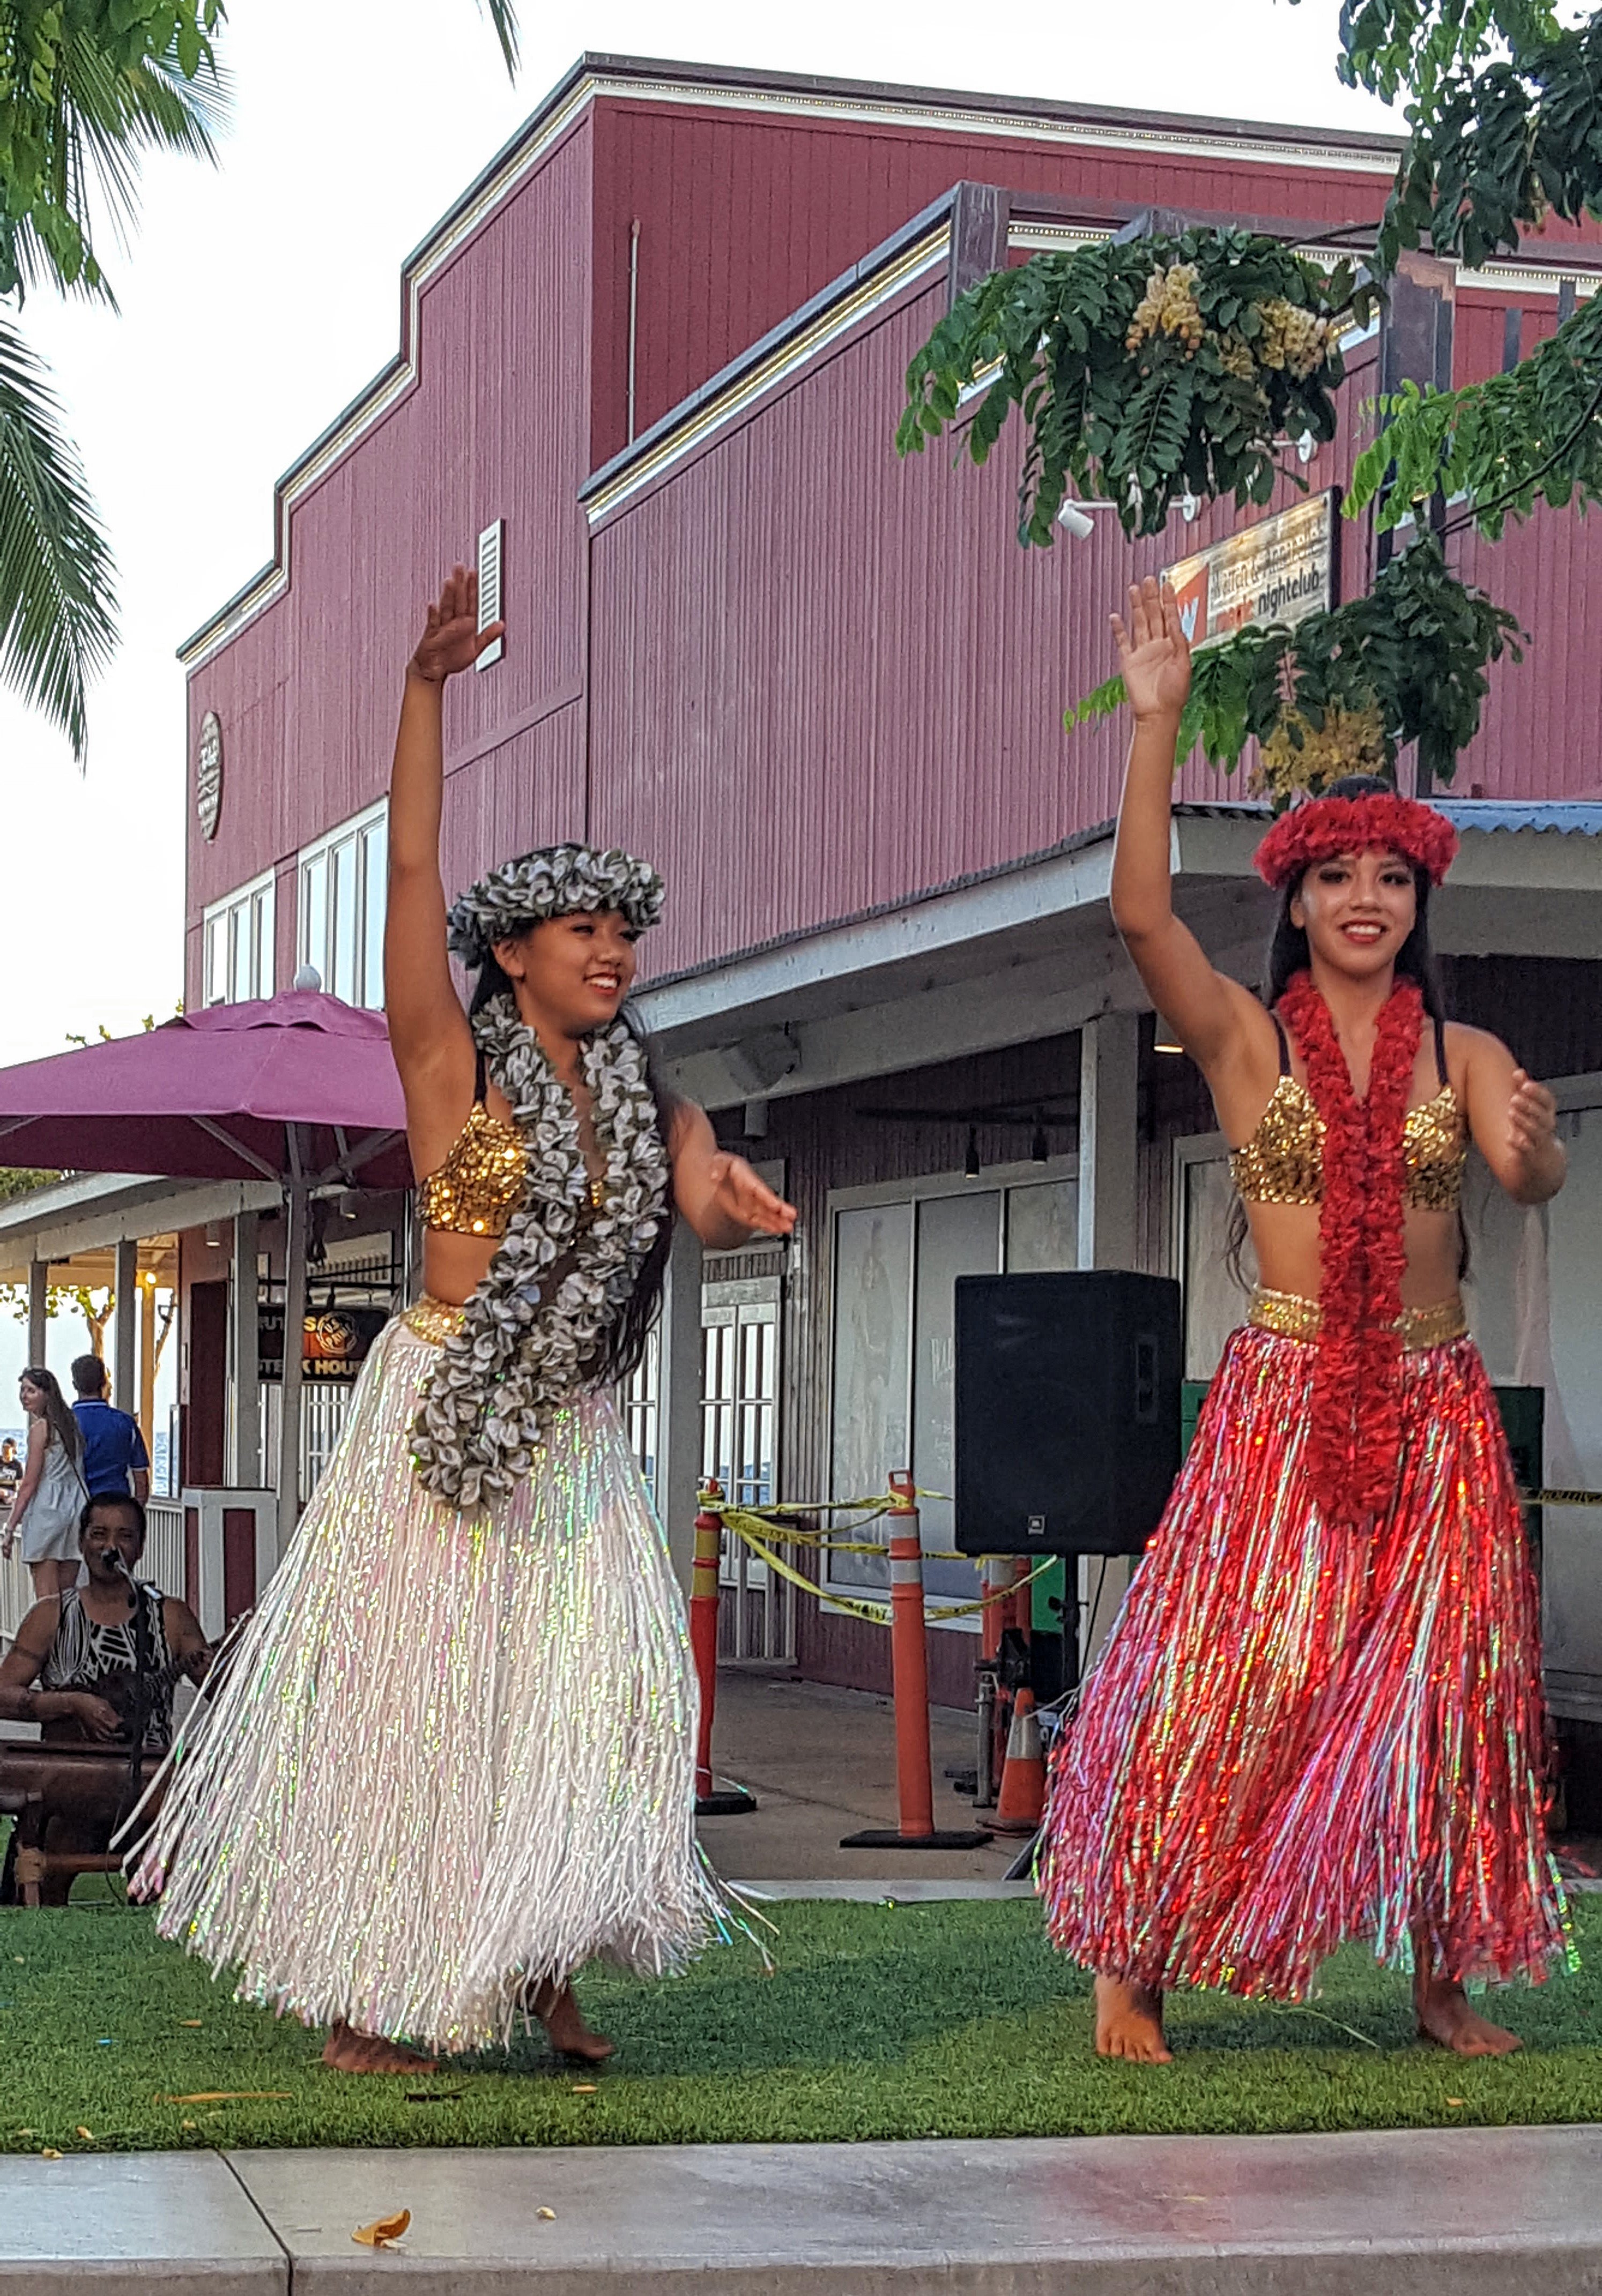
x: 490, y: 543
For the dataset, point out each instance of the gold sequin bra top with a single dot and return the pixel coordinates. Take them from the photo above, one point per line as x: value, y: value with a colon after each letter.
x: 481, y: 1182
x: 1283, y: 1161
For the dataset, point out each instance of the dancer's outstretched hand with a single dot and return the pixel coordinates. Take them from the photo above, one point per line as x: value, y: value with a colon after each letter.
x: 745, y: 1200
x: 1532, y: 1118
x: 452, y: 639
x: 1154, y: 653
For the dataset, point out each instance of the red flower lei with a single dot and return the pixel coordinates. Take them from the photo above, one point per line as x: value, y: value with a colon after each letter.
x: 1356, y: 1432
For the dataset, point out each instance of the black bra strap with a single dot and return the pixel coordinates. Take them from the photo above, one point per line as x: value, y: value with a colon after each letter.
x: 1285, y: 1045
x: 479, y: 1079
x: 1441, y: 1051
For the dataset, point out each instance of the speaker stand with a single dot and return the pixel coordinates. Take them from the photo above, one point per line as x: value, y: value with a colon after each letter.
x: 885, y: 1837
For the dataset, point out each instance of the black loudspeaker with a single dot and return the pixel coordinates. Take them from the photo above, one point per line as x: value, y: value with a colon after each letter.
x: 1067, y: 1414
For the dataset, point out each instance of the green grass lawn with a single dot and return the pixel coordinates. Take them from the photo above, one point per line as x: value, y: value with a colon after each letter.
x: 952, y: 2019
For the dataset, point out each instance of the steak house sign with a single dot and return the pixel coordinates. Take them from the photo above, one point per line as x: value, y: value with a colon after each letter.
x: 1279, y: 570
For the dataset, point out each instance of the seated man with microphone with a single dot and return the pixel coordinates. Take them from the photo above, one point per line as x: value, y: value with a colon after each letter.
x: 95, y: 1668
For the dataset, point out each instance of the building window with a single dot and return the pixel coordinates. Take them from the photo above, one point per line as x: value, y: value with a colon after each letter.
x: 343, y: 885
x: 897, y: 1254
x: 739, y: 1404
x: 238, y: 950
x: 641, y: 1397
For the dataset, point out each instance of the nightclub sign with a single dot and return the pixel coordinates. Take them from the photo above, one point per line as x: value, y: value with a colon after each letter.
x: 1280, y: 570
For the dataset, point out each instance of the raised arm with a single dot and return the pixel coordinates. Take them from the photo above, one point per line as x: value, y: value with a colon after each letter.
x: 428, y: 1028
x: 1209, y: 1011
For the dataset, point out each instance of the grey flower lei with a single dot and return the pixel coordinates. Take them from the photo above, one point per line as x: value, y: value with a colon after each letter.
x: 523, y: 1352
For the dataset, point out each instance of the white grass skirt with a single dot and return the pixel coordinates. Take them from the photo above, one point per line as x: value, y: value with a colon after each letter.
x: 450, y: 1757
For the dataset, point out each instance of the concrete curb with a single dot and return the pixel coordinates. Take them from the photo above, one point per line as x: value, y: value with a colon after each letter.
x: 1412, y: 2212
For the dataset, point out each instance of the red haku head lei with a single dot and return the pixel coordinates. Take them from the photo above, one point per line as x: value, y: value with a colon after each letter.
x: 1322, y: 828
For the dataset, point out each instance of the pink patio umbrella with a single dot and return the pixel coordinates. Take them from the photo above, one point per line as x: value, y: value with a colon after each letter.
x: 300, y: 1089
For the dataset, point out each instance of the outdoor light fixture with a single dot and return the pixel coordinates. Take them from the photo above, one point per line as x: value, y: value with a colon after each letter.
x: 1076, y: 521
x: 1189, y: 508
x: 1164, y: 1039
x: 970, y: 1170
x: 1037, y: 1146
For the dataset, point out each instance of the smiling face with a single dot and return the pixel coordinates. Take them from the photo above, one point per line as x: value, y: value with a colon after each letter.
x: 112, y: 1537
x: 1357, y: 911
x: 571, y: 974
x: 31, y: 1398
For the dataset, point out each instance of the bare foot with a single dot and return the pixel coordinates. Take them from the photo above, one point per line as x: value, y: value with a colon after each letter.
x: 564, y: 2021
x: 1128, y: 2023
x: 1444, y: 2015
x: 347, y: 2051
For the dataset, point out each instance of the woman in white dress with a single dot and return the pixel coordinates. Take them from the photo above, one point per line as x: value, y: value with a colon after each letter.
x: 51, y: 1494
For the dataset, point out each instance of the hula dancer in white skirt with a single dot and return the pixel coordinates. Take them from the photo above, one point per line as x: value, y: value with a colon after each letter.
x: 453, y: 1756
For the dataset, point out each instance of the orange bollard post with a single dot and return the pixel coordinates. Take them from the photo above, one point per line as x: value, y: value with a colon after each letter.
x: 704, y: 1596
x: 909, y: 1667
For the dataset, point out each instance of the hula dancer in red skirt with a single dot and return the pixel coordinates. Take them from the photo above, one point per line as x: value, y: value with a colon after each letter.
x: 1319, y: 1714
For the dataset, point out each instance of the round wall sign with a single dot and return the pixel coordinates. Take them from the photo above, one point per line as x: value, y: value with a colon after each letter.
x: 209, y: 774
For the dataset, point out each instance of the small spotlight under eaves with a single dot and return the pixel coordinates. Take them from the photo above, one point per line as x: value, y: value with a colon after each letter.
x: 1164, y: 1040
x: 970, y: 1170
x: 1075, y: 519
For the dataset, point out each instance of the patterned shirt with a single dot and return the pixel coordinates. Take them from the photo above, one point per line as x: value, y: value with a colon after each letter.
x: 104, y: 1660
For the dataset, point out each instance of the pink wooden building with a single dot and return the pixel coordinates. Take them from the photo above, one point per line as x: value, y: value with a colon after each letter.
x: 653, y: 356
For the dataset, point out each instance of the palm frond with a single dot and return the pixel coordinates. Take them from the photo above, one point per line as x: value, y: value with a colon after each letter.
x: 502, y: 15
x: 101, y: 118
x: 57, y: 592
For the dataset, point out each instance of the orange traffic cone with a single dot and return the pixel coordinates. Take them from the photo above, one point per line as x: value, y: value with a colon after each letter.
x: 1021, y: 1801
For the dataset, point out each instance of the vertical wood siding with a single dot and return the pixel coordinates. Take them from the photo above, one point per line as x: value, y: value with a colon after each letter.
x: 495, y: 426
x: 743, y: 219
x: 824, y: 678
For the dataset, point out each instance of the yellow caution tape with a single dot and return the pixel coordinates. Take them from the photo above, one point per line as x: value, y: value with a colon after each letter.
x: 748, y: 1523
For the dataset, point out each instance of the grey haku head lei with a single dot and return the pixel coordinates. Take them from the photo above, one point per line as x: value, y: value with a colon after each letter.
x: 525, y: 1349
x: 557, y: 880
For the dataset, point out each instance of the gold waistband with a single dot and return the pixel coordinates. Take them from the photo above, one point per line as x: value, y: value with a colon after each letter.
x: 1292, y: 1317
x: 434, y: 1320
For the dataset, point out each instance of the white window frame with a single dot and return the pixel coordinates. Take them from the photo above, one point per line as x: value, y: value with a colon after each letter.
x: 365, y: 976
x: 997, y: 1178
x: 253, y: 905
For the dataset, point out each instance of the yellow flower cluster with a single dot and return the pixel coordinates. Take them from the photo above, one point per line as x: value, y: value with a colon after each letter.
x: 1170, y: 308
x: 1292, y: 339
x: 1348, y: 742
x: 1235, y: 357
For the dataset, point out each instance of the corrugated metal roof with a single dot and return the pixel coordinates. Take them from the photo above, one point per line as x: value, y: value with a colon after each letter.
x: 1483, y: 813
x: 1486, y: 813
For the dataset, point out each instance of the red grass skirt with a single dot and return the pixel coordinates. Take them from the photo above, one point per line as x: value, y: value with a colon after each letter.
x: 1299, y: 1735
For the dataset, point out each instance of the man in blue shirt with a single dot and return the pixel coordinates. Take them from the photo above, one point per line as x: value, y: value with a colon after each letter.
x: 115, y: 1458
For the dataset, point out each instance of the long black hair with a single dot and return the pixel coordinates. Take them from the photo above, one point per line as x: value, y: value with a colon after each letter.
x: 627, y: 1337
x: 1288, y: 954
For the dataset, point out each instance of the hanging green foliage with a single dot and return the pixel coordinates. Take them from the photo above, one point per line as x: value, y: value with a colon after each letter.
x: 1343, y: 690
x: 1143, y: 370
x: 1532, y: 434
x: 1504, y: 113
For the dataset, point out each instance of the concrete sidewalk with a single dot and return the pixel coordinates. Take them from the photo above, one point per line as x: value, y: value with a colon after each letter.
x: 1468, y: 2212
x: 822, y: 1763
